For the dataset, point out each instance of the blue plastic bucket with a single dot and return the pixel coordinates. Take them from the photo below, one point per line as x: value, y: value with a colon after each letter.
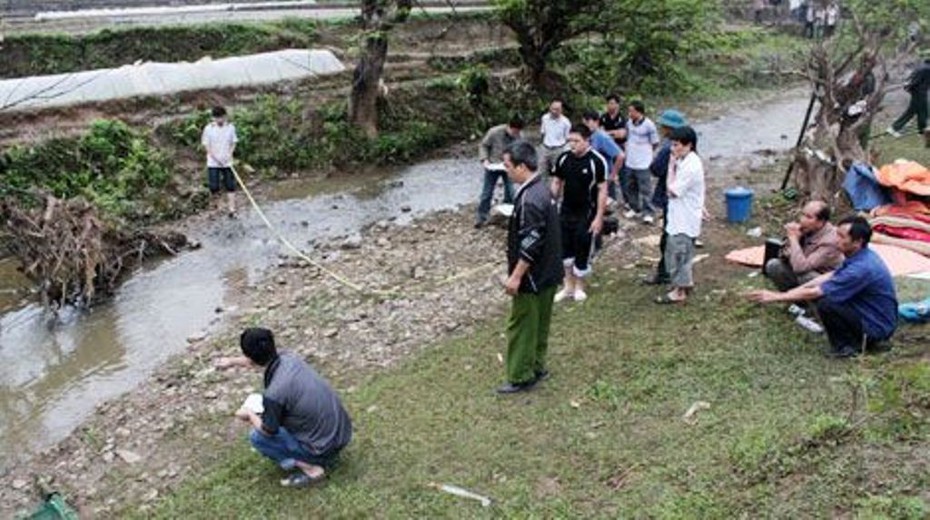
x: 739, y: 204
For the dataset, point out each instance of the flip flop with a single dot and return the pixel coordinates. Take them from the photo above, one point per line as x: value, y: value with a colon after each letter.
x: 665, y: 300
x: 301, y: 480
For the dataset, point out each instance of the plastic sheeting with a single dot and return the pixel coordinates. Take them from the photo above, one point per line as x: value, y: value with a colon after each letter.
x: 156, y: 79
x: 863, y: 188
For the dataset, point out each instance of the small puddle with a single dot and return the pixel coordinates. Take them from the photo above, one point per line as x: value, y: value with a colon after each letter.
x: 52, y: 377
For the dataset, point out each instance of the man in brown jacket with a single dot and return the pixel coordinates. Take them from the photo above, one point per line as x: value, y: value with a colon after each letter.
x: 812, y: 248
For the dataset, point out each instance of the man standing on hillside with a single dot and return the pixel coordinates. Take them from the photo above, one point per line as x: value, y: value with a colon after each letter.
x: 917, y: 86
x: 554, y: 129
x: 219, y: 140
x: 579, y: 179
x: 533, y: 261
x: 490, y: 153
x: 642, y: 139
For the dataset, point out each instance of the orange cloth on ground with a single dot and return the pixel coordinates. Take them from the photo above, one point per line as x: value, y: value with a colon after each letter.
x: 908, y: 176
x: 900, y: 261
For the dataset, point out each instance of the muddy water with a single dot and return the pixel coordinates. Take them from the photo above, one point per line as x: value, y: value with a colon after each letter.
x: 53, y: 373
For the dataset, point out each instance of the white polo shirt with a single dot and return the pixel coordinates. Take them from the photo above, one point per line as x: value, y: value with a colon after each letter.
x: 219, y: 139
x: 554, y: 130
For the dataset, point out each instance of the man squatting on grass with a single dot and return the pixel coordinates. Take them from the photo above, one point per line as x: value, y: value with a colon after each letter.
x: 533, y: 261
x: 219, y: 140
x: 490, y: 152
x: 857, y: 302
x: 685, y: 184
x: 812, y: 249
x: 304, y: 425
x: 579, y: 179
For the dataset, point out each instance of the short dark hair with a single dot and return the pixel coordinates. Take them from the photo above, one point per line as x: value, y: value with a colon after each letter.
x: 218, y: 111
x: 824, y: 213
x: 591, y: 115
x: 516, y: 121
x: 258, y: 345
x: 684, y: 135
x: 557, y: 99
x: 581, y: 130
x: 859, y: 229
x: 522, y: 152
x: 612, y: 97
x: 638, y: 105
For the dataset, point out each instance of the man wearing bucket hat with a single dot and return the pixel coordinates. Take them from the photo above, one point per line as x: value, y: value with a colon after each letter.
x: 668, y: 121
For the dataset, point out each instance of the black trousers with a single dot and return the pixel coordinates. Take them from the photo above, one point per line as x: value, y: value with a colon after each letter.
x: 843, y: 326
x: 661, y: 269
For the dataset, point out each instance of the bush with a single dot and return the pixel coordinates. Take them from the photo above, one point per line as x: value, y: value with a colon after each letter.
x: 112, y: 166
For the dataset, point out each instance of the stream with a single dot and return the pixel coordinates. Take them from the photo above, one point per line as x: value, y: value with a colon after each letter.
x: 53, y: 373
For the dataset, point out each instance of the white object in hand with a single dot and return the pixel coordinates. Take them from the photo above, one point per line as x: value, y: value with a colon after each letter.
x: 254, y: 403
x: 496, y: 167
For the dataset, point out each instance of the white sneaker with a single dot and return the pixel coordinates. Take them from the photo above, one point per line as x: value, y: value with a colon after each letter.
x: 892, y: 132
x: 647, y: 219
x: 562, y: 295
x: 631, y: 214
x: 580, y: 295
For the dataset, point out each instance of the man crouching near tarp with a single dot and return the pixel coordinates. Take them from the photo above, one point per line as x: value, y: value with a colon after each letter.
x: 534, y: 261
x: 303, y: 424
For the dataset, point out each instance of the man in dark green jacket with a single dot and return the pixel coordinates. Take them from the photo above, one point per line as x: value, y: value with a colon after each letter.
x: 534, y: 263
x: 917, y: 86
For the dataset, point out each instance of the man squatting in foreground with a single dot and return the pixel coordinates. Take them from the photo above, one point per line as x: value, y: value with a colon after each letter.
x: 303, y: 425
x: 534, y: 263
x: 579, y: 179
x: 856, y: 303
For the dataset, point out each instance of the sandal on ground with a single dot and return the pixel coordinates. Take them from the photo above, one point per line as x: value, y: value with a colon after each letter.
x: 665, y: 300
x: 300, y: 479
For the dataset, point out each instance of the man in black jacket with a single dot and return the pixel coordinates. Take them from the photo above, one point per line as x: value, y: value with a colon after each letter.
x: 535, y: 268
x: 917, y: 86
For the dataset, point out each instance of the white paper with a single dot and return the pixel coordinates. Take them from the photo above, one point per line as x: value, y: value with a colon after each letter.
x: 254, y: 402
x: 496, y: 167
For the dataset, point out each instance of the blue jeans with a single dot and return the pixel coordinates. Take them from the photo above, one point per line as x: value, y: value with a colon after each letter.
x: 487, y: 192
x: 284, y: 449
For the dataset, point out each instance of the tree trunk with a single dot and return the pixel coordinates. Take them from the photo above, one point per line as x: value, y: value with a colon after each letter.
x: 363, y: 101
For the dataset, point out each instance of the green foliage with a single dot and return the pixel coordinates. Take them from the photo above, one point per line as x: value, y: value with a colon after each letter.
x: 903, y: 399
x: 111, y: 165
x: 899, y: 507
x: 36, y: 54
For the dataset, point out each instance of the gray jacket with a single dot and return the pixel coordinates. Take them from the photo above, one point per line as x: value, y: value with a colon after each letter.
x: 494, y: 143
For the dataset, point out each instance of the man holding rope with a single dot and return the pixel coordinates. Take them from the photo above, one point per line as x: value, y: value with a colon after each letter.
x: 219, y: 139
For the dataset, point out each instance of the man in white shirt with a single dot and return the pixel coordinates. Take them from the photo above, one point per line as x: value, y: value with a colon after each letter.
x: 554, y: 129
x: 685, y: 210
x: 219, y: 139
x: 642, y: 140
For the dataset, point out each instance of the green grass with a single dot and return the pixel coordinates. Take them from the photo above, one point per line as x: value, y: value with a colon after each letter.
x: 604, y: 437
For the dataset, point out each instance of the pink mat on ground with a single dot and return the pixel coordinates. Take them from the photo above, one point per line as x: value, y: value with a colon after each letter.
x: 900, y: 261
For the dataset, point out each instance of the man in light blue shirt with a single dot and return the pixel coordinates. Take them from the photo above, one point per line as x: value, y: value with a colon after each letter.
x: 642, y: 139
x: 605, y: 145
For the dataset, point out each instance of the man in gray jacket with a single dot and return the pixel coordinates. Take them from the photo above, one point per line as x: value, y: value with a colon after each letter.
x: 303, y: 424
x: 490, y: 153
x: 534, y: 262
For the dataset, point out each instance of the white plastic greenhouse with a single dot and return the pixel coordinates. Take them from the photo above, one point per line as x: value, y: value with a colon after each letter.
x: 154, y: 79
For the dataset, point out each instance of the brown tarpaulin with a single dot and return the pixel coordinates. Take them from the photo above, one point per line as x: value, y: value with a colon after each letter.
x: 900, y: 261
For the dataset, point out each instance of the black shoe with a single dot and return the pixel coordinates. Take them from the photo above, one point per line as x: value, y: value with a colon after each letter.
x: 480, y: 224
x: 843, y: 353
x: 542, y: 375
x: 513, y: 388
x: 655, y: 280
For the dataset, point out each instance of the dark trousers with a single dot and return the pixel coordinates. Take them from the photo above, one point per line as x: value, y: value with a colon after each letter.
x: 662, y: 269
x: 843, y: 326
x: 917, y: 107
x: 487, y: 192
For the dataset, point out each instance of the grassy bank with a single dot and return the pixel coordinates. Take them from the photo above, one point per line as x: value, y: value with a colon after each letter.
x: 788, y: 433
